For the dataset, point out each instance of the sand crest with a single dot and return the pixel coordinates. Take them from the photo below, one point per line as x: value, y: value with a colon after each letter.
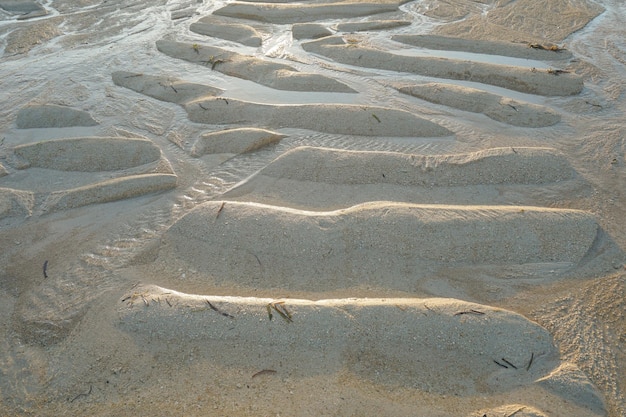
x: 502, y: 109
x: 542, y: 82
x: 388, y: 335
x: 49, y: 115
x: 271, y: 74
x: 235, y: 141
x: 295, y: 13
x: 384, y: 244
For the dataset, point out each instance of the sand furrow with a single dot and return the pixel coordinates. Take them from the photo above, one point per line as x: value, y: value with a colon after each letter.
x: 384, y: 244
x: 389, y: 336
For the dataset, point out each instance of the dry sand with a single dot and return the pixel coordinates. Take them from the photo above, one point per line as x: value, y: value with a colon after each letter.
x: 321, y: 208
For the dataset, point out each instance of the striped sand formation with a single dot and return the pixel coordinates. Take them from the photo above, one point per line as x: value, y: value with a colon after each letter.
x: 94, y: 170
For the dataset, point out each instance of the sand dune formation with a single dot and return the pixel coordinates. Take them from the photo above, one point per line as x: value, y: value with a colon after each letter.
x: 312, y: 208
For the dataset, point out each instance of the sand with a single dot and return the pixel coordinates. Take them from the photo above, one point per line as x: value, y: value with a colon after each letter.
x: 319, y: 208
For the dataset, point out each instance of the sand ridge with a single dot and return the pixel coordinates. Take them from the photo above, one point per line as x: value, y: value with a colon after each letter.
x: 215, y: 247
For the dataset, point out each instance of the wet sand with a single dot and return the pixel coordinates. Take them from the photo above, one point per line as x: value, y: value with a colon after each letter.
x: 324, y: 208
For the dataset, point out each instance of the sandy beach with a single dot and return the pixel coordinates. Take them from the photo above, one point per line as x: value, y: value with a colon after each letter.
x: 316, y: 208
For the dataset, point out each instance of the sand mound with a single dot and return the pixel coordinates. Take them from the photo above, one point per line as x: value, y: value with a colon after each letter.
x: 49, y: 115
x: 542, y: 82
x: 383, y: 244
x: 84, y: 167
x: 294, y: 13
x: 234, y: 141
x: 163, y: 88
x: 502, y: 109
x: 243, y: 34
x: 88, y: 154
x: 331, y: 118
x: 512, y: 49
x: 436, y: 345
x: 271, y: 74
x: 371, y: 25
x: 309, y: 31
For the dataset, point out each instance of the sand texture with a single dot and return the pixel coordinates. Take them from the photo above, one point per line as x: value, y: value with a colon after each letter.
x: 243, y: 34
x: 312, y: 208
x: 542, y: 82
x: 495, y: 107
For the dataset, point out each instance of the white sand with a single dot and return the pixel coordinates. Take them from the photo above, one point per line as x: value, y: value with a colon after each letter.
x: 202, y: 215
